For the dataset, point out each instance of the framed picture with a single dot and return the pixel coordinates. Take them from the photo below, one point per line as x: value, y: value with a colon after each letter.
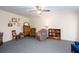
x: 14, y: 19
x: 10, y: 24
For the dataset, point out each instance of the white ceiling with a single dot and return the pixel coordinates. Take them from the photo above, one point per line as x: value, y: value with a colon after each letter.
x: 26, y: 10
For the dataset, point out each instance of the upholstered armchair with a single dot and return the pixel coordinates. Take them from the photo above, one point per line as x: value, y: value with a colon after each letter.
x: 75, y: 47
x: 42, y: 34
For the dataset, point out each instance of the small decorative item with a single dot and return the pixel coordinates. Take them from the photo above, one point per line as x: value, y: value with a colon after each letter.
x: 10, y: 24
x: 18, y: 19
x: 14, y: 23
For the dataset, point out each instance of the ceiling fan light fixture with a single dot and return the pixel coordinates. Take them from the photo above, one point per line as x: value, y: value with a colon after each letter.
x: 39, y: 12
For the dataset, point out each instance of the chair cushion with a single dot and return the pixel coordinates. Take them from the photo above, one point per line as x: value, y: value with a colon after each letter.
x: 76, y: 43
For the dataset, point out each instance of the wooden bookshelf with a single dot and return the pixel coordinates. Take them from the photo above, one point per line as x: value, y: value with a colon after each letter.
x: 33, y: 32
x: 54, y: 34
x: 26, y: 30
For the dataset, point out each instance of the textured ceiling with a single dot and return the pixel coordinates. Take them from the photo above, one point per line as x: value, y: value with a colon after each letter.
x: 27, y: 10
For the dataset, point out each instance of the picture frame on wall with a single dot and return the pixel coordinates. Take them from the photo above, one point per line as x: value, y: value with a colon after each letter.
x: 14, y: 19
x: 10, y: 24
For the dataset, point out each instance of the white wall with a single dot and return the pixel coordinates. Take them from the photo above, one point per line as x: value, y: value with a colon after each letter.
x: 5, y: 17
x: 78, y: 25
x: 66, y: 21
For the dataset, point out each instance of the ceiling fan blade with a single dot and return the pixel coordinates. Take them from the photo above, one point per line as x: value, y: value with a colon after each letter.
x: 46, y: 10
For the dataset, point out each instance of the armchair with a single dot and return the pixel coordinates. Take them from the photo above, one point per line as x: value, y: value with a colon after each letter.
x: 75, y: 47
x: 42, y: 34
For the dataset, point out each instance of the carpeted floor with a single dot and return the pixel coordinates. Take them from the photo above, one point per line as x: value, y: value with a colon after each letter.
x: 32, y: 45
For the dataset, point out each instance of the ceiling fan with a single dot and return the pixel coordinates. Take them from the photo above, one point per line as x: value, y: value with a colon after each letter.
x: 40, y: 9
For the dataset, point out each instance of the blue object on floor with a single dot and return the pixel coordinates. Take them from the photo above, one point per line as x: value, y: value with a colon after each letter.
x: 75, y: 47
